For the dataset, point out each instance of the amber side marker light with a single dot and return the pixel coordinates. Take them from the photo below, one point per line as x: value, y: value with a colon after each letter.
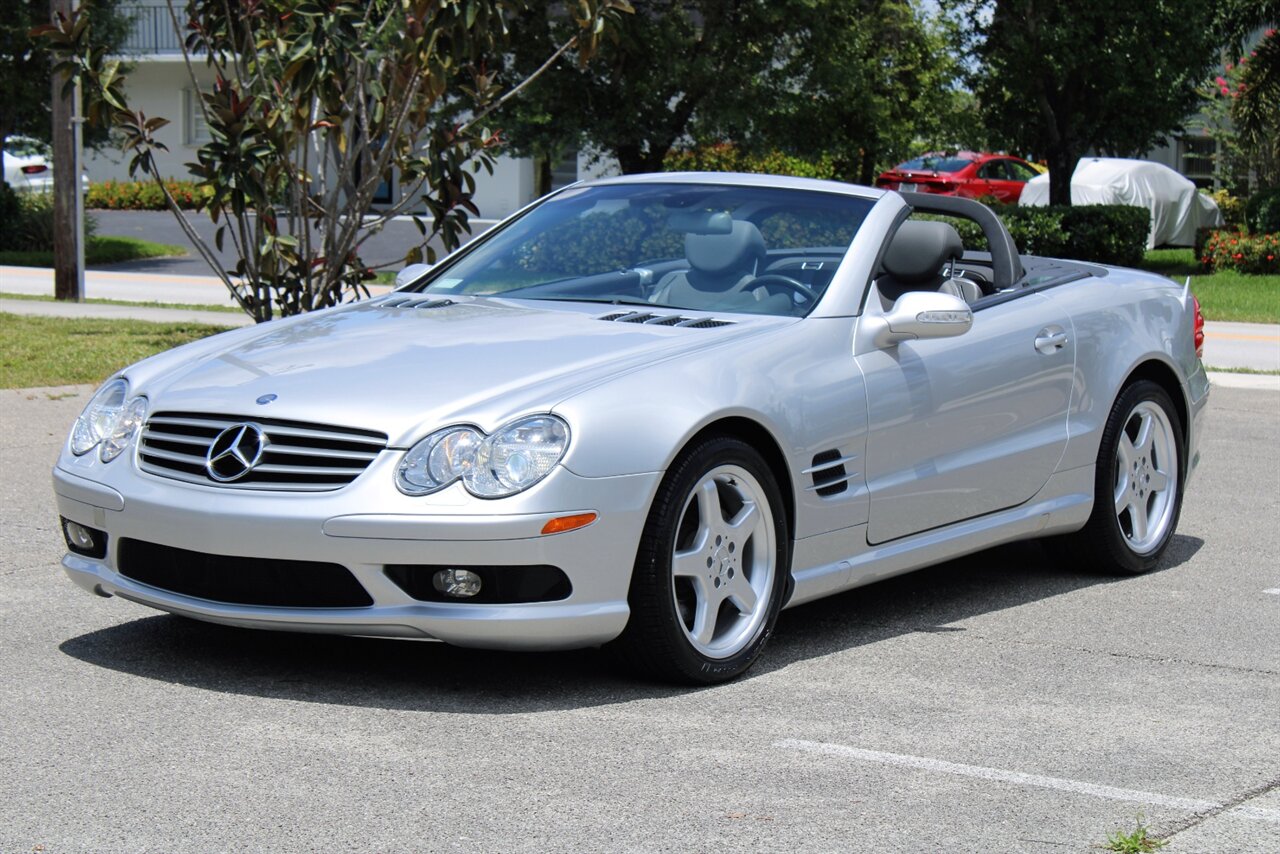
x: 569, y: 523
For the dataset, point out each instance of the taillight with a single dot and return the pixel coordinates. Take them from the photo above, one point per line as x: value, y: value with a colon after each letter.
x: 1199, y: 327
x: 34, y: 169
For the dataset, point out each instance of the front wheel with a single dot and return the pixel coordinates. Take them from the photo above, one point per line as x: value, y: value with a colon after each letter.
x: 1138, y: 484
x: 711, y: 569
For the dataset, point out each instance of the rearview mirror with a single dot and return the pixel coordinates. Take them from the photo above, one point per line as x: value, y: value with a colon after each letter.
x: 919, y: 315
x: 410, y: 273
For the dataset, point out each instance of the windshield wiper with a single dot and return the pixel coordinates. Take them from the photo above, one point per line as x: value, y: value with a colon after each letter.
x: 606, y: 300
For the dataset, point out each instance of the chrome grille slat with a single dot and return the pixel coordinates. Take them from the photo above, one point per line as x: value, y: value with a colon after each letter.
x: 297, y: 457
x: 157, y: 436
x: 174, y: 456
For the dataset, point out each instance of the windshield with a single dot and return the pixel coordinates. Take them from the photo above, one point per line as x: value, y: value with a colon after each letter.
x: 685, y: 246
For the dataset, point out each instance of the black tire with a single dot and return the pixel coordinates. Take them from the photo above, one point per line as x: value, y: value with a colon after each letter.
x: 1106, y: 543
x: 659, y: 641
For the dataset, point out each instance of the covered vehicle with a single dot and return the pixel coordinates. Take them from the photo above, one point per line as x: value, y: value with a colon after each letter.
x: 1177, y: 207
x: 646, y: 412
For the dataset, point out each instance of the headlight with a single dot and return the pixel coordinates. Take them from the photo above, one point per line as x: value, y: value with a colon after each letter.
x: 110, y: 420
x: 511, y: 460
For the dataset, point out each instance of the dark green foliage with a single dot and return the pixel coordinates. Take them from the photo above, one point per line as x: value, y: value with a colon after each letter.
x: 1103, y: 234
x: 27, y: 220
x: 1262, y: 212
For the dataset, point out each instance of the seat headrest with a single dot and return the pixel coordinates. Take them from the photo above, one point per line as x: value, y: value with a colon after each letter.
x: 919, y: 249
x: 740, y: 249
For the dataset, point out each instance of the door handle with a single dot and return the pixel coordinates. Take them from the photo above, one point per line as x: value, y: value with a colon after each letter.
x: 1050, y: 341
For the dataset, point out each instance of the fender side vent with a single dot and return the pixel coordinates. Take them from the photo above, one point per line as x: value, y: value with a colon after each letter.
x: 829, y: 474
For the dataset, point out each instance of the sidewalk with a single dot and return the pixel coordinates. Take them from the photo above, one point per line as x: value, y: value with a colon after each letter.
x: 1255, y: 346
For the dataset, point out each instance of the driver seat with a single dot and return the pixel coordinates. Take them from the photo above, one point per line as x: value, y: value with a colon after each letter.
x: 720, y: 266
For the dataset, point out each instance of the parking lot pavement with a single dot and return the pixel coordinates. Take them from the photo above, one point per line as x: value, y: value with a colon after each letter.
x: 997, y: 703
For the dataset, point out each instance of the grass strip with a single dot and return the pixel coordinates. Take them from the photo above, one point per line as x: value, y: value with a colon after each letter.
x: 52, y: 351
x: 1226, y: 295
x: 188, y: 306
x: 98, y: 250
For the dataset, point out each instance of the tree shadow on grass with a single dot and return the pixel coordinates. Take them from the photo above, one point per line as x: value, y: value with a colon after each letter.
x: 415, y: 676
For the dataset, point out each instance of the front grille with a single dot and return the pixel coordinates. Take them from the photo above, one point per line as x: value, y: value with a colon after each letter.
x: 241, y: 580
x: 296, y: 456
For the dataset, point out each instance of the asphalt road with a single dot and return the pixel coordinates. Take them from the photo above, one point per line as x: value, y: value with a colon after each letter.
x: 997, y: 703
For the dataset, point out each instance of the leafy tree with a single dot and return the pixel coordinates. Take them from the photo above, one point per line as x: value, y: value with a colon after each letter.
x: 26, y: 82
x: 314, y: 104
x: 863, y: 83
x: 1255, y: 89
x: 1061, y: 79
x: 674, y: 70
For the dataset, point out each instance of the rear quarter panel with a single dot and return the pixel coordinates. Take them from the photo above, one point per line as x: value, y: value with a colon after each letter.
x: 1121, y: 321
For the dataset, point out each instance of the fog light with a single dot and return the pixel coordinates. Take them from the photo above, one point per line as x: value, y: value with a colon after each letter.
x: 458, y: 583
x: 79, y: 536
x: 84, y: 540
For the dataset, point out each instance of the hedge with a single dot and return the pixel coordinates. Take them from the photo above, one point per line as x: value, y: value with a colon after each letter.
x: 726, y: 157
x: 144, y: 195
x: 1262, y: 212
x: 26, y: 221
x: 1103, y: 234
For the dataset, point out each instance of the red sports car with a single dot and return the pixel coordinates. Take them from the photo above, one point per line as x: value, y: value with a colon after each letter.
x: 964, y: 173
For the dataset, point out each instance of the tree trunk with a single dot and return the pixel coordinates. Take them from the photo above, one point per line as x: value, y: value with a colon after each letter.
x: 632, y: 161
x: 65, y: 278
x: 1062, y: 163
x: 541, y: 176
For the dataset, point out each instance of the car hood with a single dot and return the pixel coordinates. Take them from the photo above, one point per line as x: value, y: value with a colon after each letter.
x: 404, y: 370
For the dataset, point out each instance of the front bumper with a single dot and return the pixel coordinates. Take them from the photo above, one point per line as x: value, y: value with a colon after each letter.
x: 365, y: 527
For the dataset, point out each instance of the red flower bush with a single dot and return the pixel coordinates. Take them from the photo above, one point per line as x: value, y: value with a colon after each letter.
x: 1245, y: 253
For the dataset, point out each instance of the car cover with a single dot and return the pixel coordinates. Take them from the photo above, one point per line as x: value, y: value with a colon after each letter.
x: 1177, y: 207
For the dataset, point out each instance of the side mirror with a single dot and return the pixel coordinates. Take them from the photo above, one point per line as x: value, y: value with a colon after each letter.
x: 411, y: 273
x: 918, y: 315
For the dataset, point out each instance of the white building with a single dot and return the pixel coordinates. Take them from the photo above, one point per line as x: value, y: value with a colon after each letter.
x: 160, y: 85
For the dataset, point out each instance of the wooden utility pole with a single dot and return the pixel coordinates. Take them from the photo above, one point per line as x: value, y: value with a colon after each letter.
x: 66, y: 185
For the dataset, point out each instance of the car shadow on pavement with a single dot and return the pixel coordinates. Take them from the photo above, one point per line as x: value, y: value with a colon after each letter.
x: 434, y: 677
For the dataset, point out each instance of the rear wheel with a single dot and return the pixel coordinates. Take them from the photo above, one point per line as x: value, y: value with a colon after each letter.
x: 1138, y: 484
x: 711, y: 568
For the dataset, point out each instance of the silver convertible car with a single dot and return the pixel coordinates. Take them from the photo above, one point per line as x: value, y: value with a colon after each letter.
x: 646, y: 412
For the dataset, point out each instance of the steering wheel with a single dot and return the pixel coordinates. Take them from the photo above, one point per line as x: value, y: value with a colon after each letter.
x: 773, y: 279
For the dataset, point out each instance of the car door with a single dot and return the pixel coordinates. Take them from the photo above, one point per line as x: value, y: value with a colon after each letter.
x: 965, y: 426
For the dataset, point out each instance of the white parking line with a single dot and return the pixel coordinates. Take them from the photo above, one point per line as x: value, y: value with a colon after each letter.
x: 1020, y: 779
x: 1274, y: 591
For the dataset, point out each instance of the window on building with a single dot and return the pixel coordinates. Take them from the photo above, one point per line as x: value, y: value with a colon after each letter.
x: 195, y: 130
x: 1196, y: 155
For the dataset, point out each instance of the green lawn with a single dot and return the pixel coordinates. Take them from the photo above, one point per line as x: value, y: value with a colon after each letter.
x: 51, y: 351
x: 98, y: 250
x: 1223, y: 296
x: 229, y: 309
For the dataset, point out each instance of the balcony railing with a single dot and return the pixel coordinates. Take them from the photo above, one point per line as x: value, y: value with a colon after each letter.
x: 152, y: 30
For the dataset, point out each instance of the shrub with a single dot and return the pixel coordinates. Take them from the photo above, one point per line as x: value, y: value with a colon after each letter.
x: 1262, y: 213
x: 1103, y: 234
x: 726, y: 157
x: 28, y: 223
x: 1232, y: 207
x: 1204, y: 232
x: 145, y: 195
x: 1244, y: 253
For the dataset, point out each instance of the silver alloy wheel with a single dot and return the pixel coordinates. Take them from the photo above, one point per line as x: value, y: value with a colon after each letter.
x: 1146, y: 482
x: 724, y: 562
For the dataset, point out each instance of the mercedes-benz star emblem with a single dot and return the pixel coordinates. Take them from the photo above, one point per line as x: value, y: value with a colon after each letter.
x: 235, y: 452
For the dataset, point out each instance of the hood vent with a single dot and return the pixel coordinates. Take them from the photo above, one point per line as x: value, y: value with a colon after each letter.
x: 650, y: 319
x: 829, y: 474
x: 415, y: 302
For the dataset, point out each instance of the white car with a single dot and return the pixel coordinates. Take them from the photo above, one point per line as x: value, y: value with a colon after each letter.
x: 28, y: 166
